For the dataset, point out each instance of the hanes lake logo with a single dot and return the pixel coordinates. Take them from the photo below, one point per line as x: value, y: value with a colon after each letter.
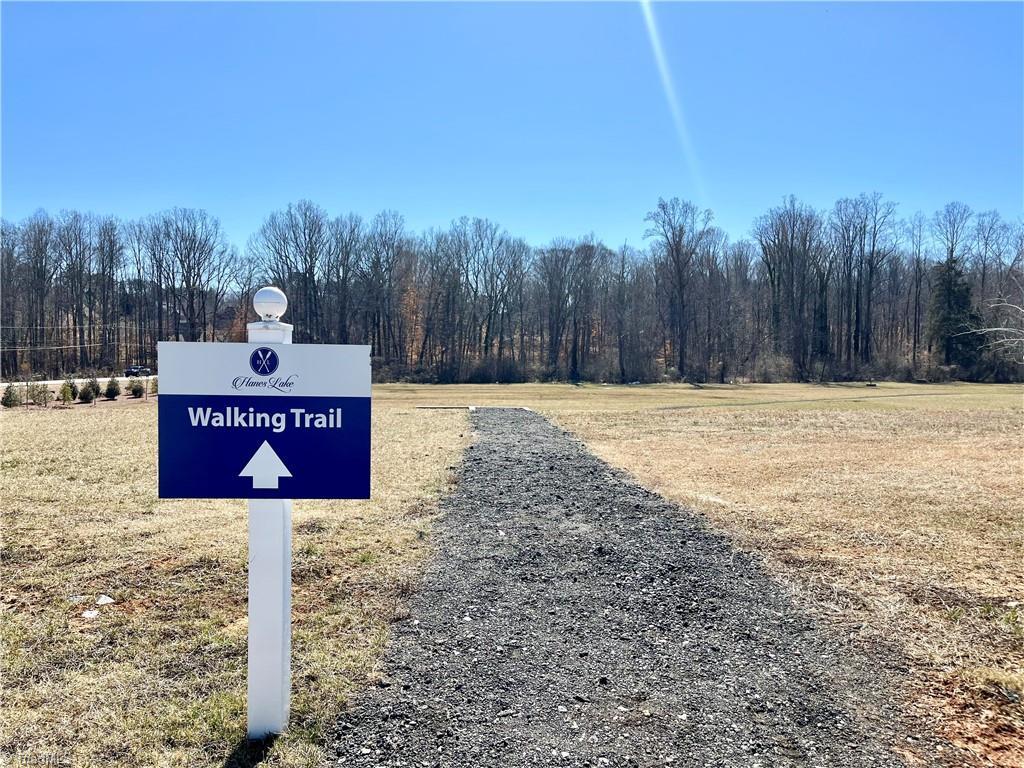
x: 264, y: 362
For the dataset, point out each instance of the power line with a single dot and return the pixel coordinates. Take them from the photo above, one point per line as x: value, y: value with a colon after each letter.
x: 67, y: 346
x: 60, y: 327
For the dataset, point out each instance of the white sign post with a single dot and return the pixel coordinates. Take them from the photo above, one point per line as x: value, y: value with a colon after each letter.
x: 270, y: 562
x: 270, y: 421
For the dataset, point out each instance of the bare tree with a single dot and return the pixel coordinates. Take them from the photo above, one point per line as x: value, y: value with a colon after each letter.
x: 793, y: 247
x: 678, y: 229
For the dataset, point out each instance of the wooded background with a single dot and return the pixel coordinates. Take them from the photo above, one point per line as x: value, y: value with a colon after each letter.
x: 853, y: 292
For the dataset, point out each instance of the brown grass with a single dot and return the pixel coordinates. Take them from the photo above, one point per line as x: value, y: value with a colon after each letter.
x: 158, y: 678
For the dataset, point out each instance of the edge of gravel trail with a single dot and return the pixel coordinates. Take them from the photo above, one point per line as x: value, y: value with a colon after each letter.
x: 571, y: 617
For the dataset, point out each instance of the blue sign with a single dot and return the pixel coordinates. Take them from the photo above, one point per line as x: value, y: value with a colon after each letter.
x: 289, y: 422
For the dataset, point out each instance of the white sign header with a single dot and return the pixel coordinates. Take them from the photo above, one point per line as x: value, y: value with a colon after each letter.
x: 303, y: 370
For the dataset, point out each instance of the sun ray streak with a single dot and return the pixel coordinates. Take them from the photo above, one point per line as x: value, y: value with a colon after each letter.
x: 675, y: 108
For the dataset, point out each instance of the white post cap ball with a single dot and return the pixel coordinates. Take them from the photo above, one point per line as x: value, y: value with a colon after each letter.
x: 270, y: 303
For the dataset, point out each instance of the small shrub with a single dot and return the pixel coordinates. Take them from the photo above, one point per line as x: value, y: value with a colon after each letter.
x: 152, y: 386
x: 39, y: 394
x: 69, y: 382
x: 136, y: 387
x: 11, y: 397
x: 66, y: 396
x: 113, y: 389
x: 86, y: 395
x: 94, y: 385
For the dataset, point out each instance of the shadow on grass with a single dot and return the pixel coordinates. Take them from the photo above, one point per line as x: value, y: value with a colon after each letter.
x: 249, y: 752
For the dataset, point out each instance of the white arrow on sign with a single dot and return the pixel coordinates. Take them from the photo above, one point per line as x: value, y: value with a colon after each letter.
x: 265, y: 468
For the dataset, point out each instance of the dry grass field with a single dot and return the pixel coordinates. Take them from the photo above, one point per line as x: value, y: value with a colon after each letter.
x: 896, y: 512
x: 158, y: 677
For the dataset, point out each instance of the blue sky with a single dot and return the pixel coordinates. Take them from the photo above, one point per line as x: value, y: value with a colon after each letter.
x: 548, y: 118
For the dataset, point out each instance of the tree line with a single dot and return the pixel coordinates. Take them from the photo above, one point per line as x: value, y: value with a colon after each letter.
x: 851, y: 292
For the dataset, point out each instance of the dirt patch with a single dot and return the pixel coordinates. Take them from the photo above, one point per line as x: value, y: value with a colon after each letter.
x: 571, y: 617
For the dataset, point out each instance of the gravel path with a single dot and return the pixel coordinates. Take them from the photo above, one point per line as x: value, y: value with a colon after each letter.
x: 571, y: 618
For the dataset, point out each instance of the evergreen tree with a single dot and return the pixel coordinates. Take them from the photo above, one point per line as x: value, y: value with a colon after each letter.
x: 113, y: 389
x: 12, y: 397
x: 951, y: 317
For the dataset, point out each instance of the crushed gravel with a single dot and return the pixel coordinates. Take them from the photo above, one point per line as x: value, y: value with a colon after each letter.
x: 571, y: 617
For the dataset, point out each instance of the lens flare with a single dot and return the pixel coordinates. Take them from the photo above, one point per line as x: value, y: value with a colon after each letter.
x: 689, y: 155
